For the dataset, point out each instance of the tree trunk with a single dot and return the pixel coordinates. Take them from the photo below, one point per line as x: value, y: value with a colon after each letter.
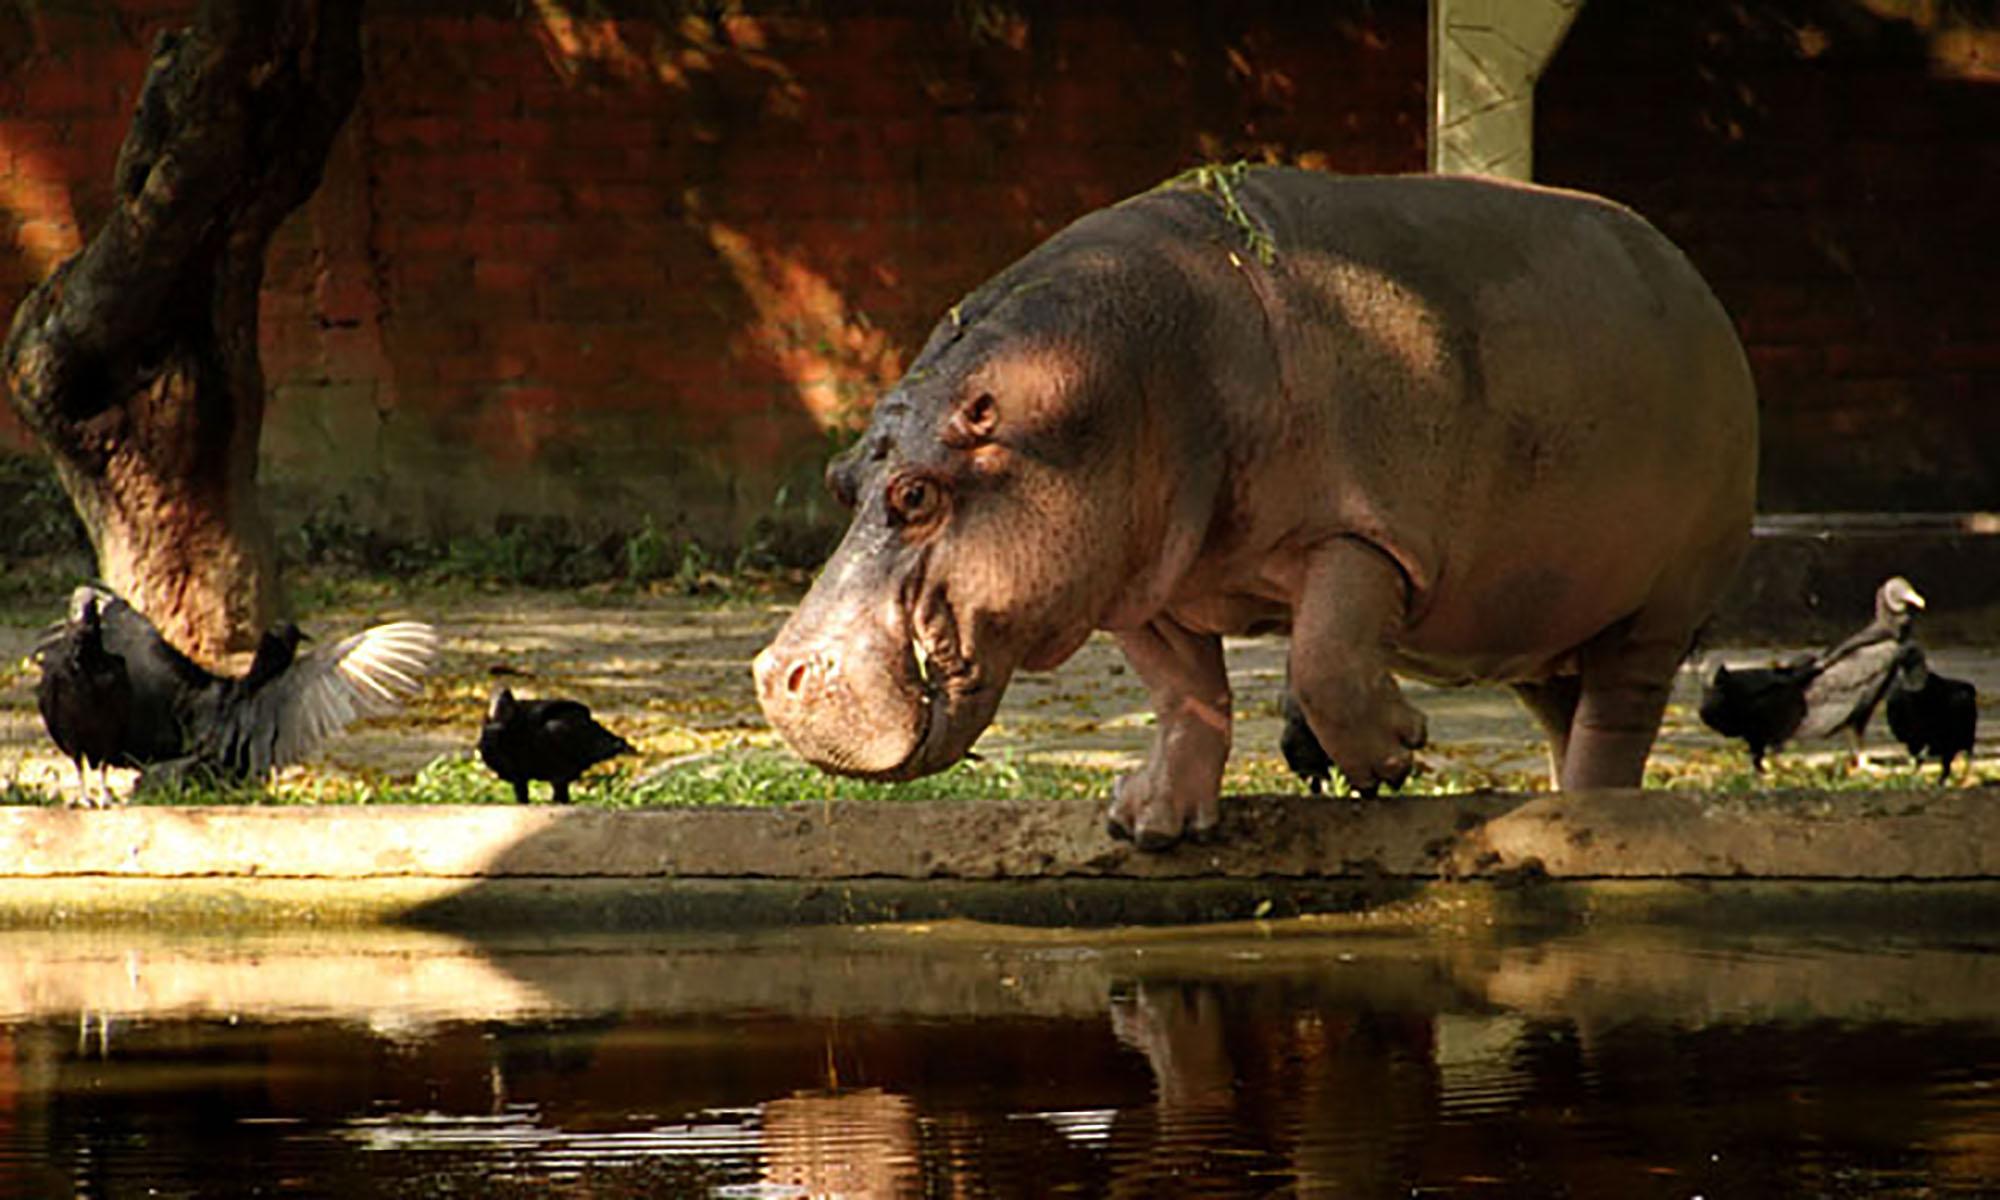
x: 136, y: 361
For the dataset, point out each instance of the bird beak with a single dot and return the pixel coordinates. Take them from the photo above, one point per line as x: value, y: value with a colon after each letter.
x: 1916, y: 599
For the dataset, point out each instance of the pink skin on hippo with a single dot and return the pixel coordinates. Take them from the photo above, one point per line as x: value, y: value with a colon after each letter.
x: 1451, y: 428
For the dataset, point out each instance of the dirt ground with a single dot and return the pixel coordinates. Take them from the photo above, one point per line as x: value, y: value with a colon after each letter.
x: 672, y: 674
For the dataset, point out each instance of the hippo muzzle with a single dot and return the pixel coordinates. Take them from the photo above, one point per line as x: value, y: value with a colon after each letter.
x: 867, y: 698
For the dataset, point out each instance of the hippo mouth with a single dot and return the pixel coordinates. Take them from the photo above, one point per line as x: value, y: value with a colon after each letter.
x: 955, y: 697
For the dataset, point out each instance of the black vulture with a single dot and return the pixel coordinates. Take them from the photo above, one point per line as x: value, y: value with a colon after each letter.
x: 1929, y: 713
x: 1854, y: 674
x: 185, y: 721
x: 551, y: 740
x: 1761, y: 705
x: 84, y: 695
x: 1303, y: 753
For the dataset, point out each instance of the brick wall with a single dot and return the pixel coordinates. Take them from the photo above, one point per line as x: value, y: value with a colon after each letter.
x: 1836, y: 175
x: 604, y: 267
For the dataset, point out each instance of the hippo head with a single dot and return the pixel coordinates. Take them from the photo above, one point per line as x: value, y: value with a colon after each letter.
x: 993, y: 528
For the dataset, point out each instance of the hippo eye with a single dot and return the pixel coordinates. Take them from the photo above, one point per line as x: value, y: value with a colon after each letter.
x: 913, y: 499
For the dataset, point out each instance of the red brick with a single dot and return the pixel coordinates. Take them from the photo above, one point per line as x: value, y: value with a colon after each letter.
x: 644, y: 280
x: 516, y: 132
x: 412, y: 270
x: 350, y: 353
x: 528, y: 241
x: 1962, y: 356
x: 66, y: 87
x: 505, y: 274
x: 435, y: 338
x: 474, y: 368
x: 567, y: 355
x: 438, y: 203
x: 422, y: 131
x: 421, y: 238
x: 619, y: 199
x: 588, y: 305
x: 512, y: 200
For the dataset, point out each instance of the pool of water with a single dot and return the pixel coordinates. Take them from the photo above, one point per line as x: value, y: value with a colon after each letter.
x: 943, y: 1060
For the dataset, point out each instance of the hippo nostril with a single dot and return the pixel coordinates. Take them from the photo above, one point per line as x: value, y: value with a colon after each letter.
x: 795, y: 679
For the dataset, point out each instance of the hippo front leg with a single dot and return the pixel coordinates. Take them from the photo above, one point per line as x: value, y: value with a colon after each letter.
x: 1175, y: 793
x: 1348, y: 612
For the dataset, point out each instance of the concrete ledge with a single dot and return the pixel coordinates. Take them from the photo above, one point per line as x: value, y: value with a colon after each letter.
x: 1023, y: 862
x: 1943, y: 834
x: 569, y: 907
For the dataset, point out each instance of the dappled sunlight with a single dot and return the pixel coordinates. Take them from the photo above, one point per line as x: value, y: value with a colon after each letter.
x: 834, y: 357
x: 1391, y: 318
x: 1972, y: 55
x: 575, y: 43
x: 37, y: 198
x: 584, y: 45
x: 1964, y: 42
x: 366, y: 977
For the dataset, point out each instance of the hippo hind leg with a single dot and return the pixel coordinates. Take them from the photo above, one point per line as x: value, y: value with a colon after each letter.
x: 1552, y: 702
x: 1627, y: 674
x: 1176, y: 793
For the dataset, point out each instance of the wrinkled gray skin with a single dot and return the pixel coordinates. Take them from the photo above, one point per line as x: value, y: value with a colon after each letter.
x: 1455, y: 429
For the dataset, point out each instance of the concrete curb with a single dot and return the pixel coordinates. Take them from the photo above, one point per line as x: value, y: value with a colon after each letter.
x: 1946, y: 834
x: 1028, y: 862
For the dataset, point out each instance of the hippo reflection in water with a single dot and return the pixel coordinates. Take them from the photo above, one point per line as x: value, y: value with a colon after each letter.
x: 1458, y: 429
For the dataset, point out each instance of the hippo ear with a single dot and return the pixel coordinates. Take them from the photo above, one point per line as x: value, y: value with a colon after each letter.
x: 973, y: 422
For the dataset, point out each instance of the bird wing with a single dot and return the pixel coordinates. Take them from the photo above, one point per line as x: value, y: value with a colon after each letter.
x: 567, y: 727
x: 1851, y: 680
x: 366, y: 675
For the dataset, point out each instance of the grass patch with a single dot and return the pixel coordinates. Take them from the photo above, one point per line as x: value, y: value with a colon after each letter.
x: 772, y: 777
x: 736, y: 777
x: 15, y: 793
x: 755, y: 776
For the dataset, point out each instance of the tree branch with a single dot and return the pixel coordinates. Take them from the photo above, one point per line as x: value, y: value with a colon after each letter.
x: 230, y: 135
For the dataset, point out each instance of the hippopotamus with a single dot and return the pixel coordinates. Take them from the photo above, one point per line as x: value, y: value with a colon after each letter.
x: 1452, y: 428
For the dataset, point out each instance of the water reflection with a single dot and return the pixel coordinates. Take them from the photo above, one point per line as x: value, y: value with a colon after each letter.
x: 950, y: 1062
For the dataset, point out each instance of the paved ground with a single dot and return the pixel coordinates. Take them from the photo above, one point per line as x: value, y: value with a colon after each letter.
x: 672, y: 674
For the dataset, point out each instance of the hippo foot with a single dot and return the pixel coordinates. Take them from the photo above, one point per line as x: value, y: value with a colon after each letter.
x: 1151, y: 815
x: 1380, y: 749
